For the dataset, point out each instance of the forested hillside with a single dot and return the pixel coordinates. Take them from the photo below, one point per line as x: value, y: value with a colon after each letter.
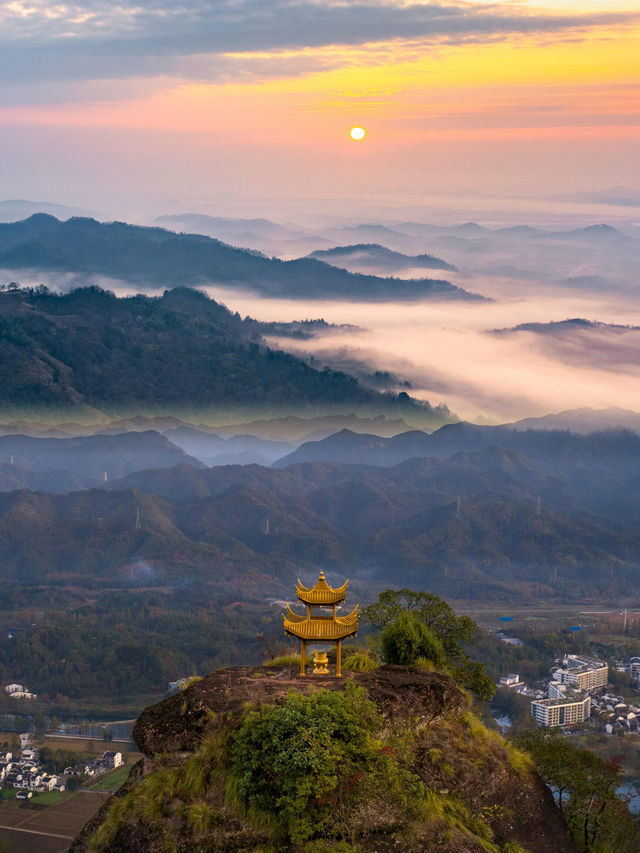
x: 459, y: 526
x: 182, y: 350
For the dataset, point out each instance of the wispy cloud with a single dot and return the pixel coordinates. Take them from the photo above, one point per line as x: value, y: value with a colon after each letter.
x: 100, y: 40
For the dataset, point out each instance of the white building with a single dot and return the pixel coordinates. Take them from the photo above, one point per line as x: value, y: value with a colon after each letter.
x: 583, y: 672
x: 112, y: 759
x: 510, y: 680
x: 561, y: 711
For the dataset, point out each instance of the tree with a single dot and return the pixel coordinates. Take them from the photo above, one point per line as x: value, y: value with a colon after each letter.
x: 556, y: 762
x: 454, y: 631
x: 406, y: 639
x: 451, y: 631
x: 585, y: 788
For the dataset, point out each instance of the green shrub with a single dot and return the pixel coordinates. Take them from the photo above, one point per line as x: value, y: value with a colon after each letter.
x: 407, y: 639
x: 290, y: 760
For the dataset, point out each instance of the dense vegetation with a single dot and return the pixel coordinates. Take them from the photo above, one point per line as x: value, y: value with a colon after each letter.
x: 457, y: 528
x: 316, y: 773
x: 127, y: 647
x: 182, y: 348
x: 161, y: 258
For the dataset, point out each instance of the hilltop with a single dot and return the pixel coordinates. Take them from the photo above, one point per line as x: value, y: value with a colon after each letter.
x: 372, y: 256
x: 426, y: 774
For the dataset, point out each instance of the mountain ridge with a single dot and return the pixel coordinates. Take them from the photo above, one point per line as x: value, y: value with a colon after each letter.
x: 161, y: 258
x: 376, y: 255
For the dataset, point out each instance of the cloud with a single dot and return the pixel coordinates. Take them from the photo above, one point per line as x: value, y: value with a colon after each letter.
x: 95, y: 40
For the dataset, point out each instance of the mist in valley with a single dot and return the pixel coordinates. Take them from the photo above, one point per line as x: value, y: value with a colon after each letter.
x: 456, y: 352
x: 490, y: 361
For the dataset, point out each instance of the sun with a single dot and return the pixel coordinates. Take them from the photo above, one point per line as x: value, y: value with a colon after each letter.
x: 357, y: 133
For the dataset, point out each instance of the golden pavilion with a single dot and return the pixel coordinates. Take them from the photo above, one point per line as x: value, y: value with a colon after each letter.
x: 321, y: 627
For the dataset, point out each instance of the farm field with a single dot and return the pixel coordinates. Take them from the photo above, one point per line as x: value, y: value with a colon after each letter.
x: 41, y: 826
x: 94, y: 747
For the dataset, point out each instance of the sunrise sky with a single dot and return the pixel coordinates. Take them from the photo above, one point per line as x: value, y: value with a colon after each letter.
x: 220, y: 104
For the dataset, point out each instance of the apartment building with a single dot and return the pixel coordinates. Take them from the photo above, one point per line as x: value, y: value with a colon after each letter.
x: 564, y: 710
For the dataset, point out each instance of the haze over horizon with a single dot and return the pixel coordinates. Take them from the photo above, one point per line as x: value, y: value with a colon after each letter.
x: 231, y: 107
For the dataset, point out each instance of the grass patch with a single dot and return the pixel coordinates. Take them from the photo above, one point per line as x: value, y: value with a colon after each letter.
x: 109, y: 781
x: 360, y: 662
x: 49, y: 798
x: 189, y: 682
x: 7, y: 794
x: 287, y: 660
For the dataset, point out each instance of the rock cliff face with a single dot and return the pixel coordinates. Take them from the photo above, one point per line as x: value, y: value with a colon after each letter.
x: 481, y: 793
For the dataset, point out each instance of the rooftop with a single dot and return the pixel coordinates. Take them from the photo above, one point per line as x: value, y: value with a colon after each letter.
x: 321, y: 593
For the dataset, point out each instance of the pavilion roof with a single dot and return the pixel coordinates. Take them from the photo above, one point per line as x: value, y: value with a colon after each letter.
x: 322, y: 627
x: 321, y: 593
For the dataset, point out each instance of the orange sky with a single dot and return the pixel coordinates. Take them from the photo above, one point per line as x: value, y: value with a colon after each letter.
x: 517, y: 100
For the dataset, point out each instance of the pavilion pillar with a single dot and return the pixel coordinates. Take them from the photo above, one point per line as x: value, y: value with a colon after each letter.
x: 303, y: 656
x: 339, y: 660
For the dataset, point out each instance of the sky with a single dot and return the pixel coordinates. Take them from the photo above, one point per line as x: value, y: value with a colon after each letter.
x: 236, y: 106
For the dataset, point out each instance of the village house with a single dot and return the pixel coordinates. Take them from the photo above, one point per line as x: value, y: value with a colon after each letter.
x: 510, y: 680
x: 19, y: 691
x: 614, y: 716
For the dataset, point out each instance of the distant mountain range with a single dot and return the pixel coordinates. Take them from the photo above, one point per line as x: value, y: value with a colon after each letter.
x: 289, y: 429
x: 585, y: 420
x: 491, y: 522
x: 67, y: 464
x: 620, y: 196
x: 160, y: 258
x: 572, y: 324
x: 472, y: 230
x: 366, y: 256
x: 234, y: 231
x: 595, y: 459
